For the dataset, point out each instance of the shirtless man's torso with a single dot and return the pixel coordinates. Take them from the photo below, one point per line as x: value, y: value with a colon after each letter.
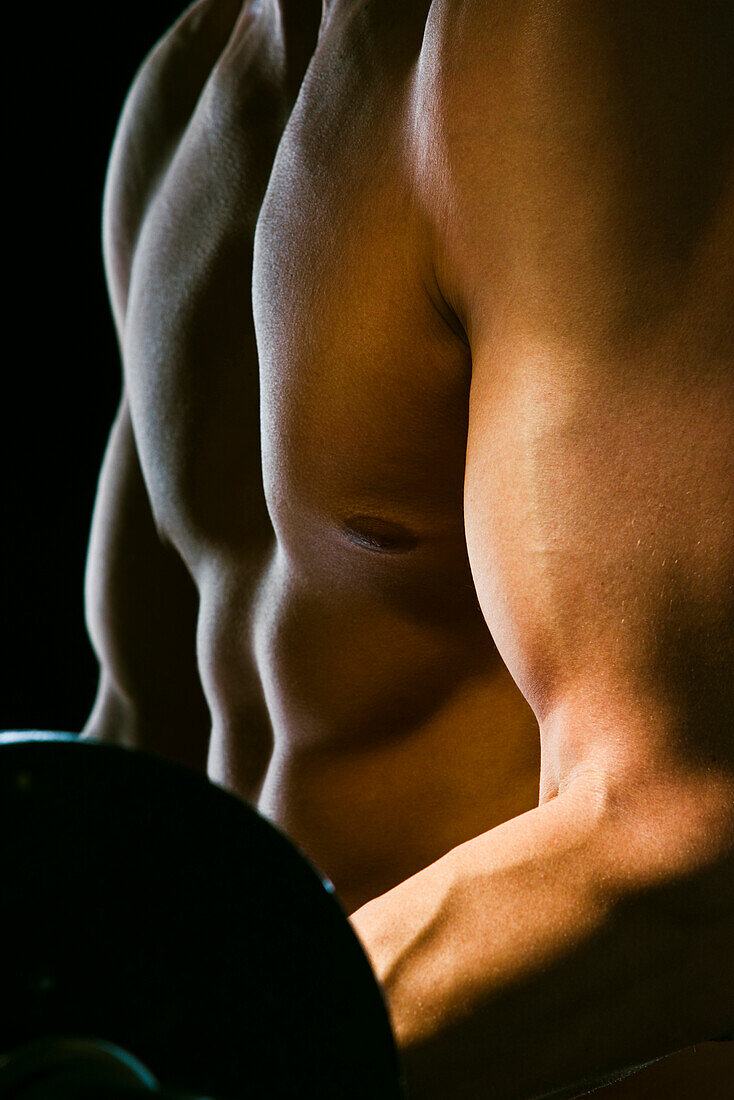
x: 279, y: 583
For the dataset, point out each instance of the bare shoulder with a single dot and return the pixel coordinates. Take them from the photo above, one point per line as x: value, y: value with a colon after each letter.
x: 156, y: 111
x: 569, y: 131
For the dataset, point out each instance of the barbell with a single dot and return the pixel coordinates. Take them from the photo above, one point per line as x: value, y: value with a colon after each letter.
x: 157, y: 934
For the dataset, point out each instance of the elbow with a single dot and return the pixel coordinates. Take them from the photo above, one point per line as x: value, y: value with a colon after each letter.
x: 668, y: 845
x: 657, y: 831
x: 664, y: 873
x: 112, y: 718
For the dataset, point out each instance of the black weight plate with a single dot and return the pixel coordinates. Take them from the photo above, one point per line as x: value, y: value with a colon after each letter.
x: 142, y: 905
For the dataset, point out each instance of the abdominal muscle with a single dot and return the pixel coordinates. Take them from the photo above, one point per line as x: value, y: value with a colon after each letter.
x: 380, y: 739
x: 371, y: 817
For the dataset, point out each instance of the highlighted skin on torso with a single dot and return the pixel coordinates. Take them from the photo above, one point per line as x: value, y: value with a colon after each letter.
x: 354, y: 688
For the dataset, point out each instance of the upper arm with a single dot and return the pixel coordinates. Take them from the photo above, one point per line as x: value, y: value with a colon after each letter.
x: 141, y: 604
x: 598, y: 511
x: 141, y: 610
x: 587, y: 245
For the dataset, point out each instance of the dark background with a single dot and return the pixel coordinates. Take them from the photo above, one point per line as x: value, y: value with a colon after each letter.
x: 66, y: 78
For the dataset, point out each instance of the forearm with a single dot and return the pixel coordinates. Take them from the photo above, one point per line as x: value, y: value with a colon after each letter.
x: 552, y: 954
x: 141, y: 611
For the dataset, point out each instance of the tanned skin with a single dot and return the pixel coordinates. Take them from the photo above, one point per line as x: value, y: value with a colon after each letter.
x: 416, y: 528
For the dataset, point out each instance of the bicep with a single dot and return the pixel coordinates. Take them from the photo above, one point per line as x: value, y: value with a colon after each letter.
x: 141, y: 605
x: 598, y: 312
x: 141, y: 610
x: 601, y: 535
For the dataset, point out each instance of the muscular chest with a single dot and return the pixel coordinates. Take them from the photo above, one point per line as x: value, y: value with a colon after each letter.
x: 364, y: 384
x: 348, y: 382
